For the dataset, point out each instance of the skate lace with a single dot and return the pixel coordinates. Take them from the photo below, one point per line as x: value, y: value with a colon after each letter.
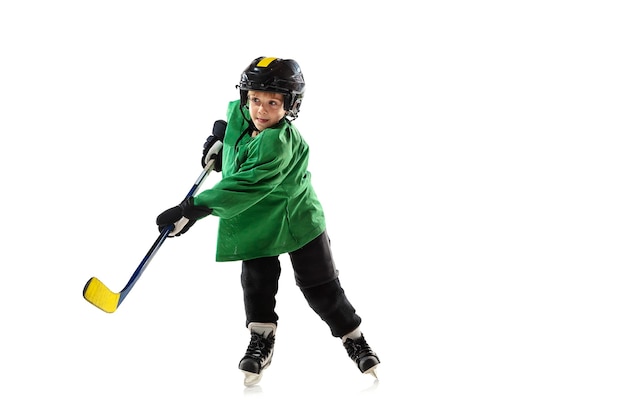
x: 358, y: 348
x: 260, y: 347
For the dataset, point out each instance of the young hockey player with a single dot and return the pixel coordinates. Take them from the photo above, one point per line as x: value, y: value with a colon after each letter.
x: 267, y: 207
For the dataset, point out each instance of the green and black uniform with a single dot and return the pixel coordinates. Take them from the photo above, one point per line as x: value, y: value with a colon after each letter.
x: 268, y: 207
x: 265, y: 200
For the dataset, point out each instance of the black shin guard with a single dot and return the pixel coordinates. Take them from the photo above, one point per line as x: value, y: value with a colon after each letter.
x: 331, y: 304
x: 259, y: 280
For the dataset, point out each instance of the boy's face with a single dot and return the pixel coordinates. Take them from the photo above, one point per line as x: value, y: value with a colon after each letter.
x: 266, y: 109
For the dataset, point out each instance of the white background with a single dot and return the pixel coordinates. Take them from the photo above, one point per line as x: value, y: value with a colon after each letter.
x: 469, y: 156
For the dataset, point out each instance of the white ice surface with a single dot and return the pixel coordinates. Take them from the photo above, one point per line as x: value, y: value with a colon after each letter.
x: 470, y: 158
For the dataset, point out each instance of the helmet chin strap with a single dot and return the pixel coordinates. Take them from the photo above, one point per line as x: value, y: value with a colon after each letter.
x: 252, y: 128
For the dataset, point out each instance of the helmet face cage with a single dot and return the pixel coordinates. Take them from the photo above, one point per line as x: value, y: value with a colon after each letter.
x: 274, y: 75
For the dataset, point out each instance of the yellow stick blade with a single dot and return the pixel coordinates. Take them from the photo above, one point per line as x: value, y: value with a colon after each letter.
x: 99, y: 295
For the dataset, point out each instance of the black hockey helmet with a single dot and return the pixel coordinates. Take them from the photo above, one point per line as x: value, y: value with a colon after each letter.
x: 274, y: 75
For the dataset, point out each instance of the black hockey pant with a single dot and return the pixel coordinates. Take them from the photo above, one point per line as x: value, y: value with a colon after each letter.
x: 317, y: 278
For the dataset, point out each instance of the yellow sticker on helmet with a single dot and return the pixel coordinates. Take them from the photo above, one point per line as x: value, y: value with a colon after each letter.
x: 265, y: 62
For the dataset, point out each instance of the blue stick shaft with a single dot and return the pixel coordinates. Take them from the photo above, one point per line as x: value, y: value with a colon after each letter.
x: 162, y: 237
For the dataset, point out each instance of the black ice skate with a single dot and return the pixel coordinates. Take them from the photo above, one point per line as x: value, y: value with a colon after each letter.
x: 360, y: 352
x: 259, y: 353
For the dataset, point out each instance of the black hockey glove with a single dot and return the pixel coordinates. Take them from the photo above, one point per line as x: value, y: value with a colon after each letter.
x: 208, y: 153
x: 183, y: 216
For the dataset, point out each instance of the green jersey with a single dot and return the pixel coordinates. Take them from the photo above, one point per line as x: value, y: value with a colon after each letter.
x: 265, y: 200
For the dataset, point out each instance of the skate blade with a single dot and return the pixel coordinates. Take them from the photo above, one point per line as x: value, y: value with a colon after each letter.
x: 372, y: 371
x: 251, y: 378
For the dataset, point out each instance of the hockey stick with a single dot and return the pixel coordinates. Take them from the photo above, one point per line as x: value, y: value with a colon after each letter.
x: 106, y: 300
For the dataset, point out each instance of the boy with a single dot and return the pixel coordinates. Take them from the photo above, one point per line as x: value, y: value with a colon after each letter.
x: 267, y: 207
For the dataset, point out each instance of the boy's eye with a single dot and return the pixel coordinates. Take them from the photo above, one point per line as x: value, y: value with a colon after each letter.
x: 272, y: 103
